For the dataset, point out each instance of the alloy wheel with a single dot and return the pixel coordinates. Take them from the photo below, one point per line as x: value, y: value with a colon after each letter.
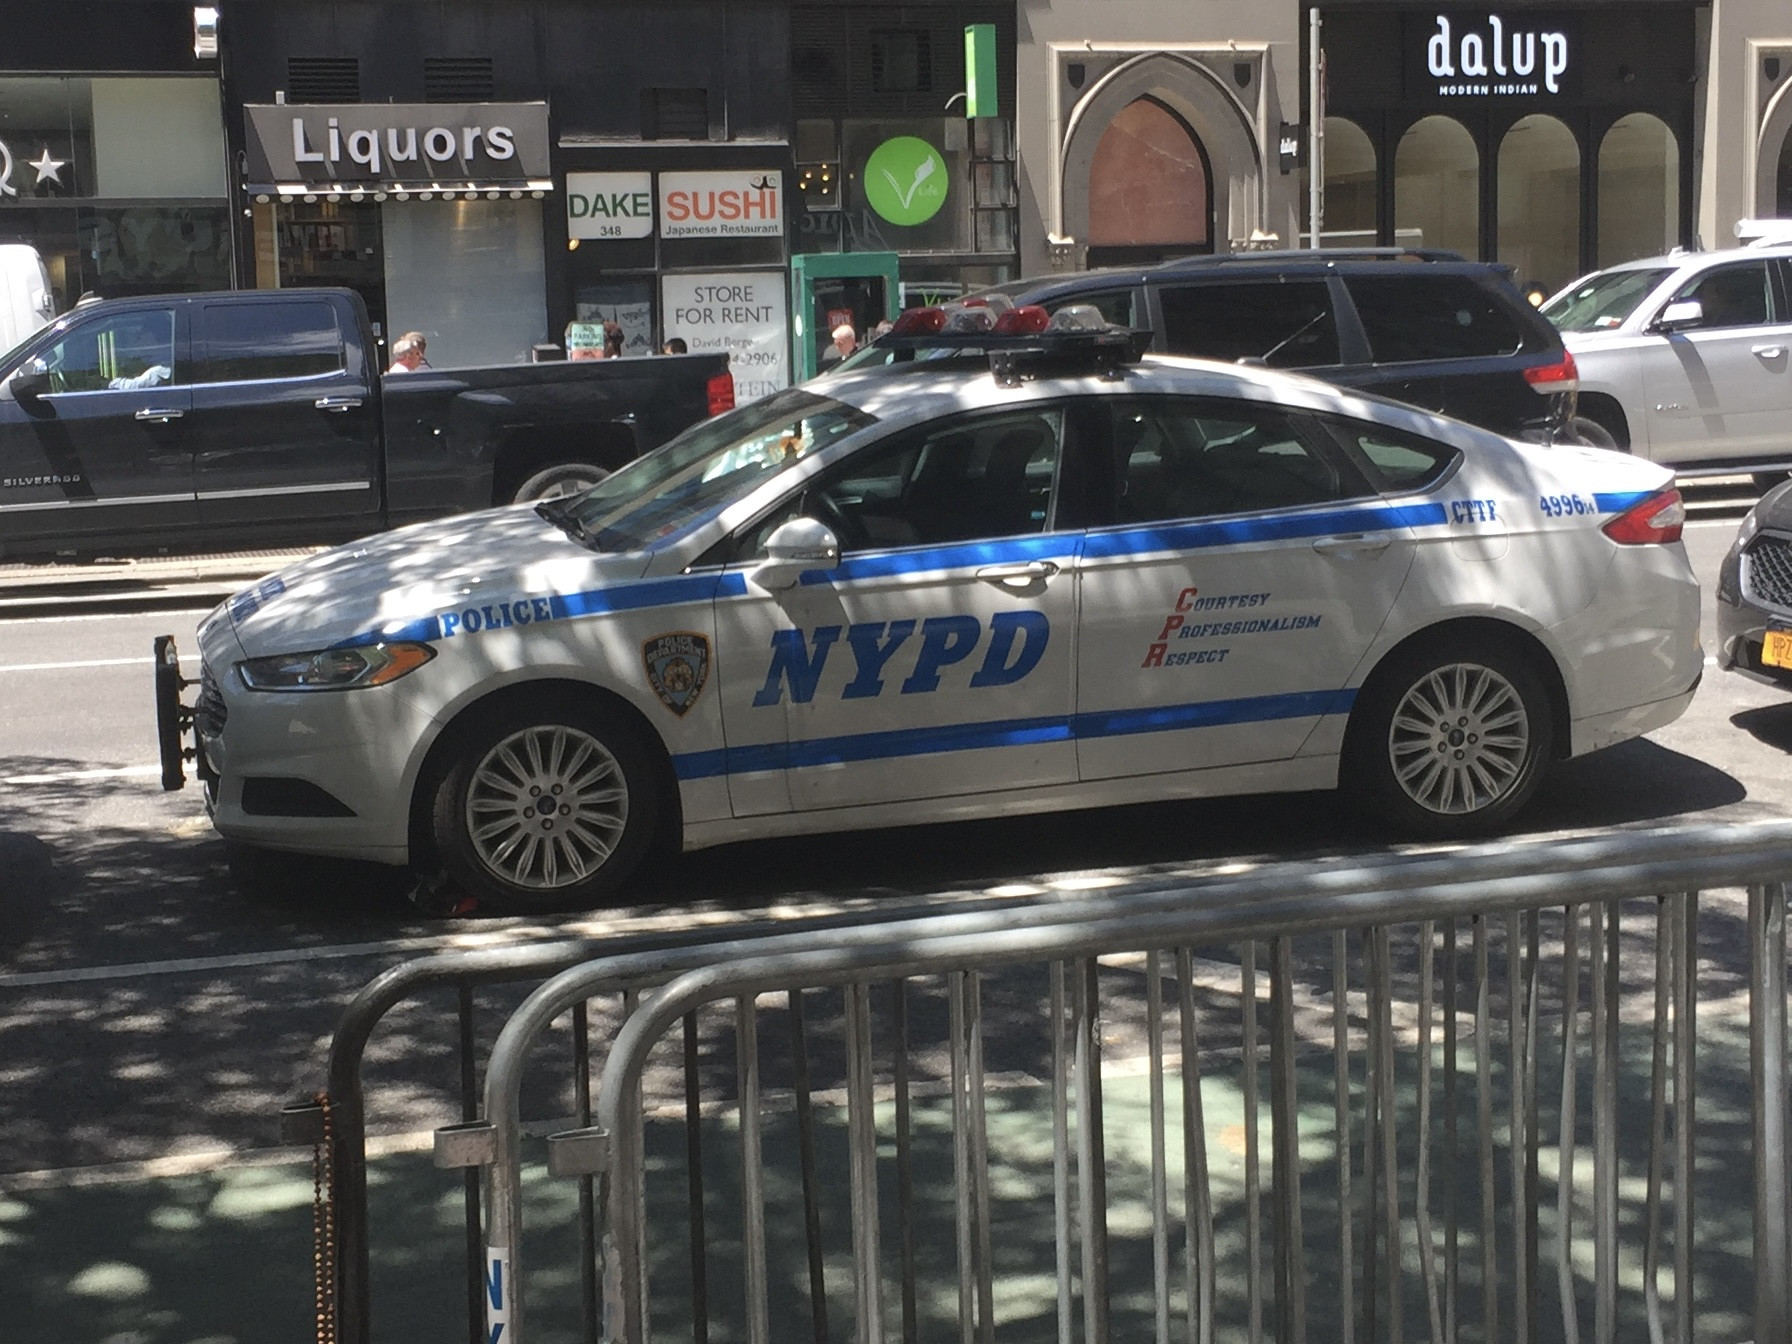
x: 546, y: 807
x: 1459, y: 739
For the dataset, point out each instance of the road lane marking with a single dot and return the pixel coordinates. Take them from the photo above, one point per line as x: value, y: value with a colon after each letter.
x: 84, y: 662
x: 78, y: 776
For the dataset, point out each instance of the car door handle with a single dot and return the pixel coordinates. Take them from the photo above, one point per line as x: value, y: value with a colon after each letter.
x: 1031, y: 572
x: 159, y: 415
x: 337, y: 404
x: 1355, y: 544
x: 1768, y: 351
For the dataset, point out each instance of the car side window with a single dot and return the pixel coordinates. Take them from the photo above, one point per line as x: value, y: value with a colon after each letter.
x: 1118, y: 306
x: 1398, y: 462
x: 957, y: 480
x: 1199, y: 457
x: 1428, y: 317
x: 1285, y: 325
x: 118, y: 352
x: 253, y: 342
x: 1730, y: 296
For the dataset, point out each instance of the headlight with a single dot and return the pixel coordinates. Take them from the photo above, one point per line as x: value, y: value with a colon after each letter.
x: 334, y: 669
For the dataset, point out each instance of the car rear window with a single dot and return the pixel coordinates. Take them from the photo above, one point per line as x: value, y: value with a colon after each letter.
x: 1397, y: 462
x: 1286, y: 325
x: 250, y: 342
x: 1422, y: 317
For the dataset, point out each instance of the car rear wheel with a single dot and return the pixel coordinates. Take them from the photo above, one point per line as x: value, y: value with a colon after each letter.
x: 1450, y: 739
x: 545, y: 807
x: 557, y: 481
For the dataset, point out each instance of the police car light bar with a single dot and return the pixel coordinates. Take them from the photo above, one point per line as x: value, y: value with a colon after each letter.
x: 1021, y: 341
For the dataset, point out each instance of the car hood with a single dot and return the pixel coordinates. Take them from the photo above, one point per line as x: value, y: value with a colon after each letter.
x: 398, y: 585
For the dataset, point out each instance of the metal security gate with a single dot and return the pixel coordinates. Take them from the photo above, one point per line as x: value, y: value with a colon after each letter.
x: 1531, y: 1092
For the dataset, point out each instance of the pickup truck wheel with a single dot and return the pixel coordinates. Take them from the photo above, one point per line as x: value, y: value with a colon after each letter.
x: 563, y: 478
x: 545, y: 806
x: 1583, y: 429
x: 1449, y: 739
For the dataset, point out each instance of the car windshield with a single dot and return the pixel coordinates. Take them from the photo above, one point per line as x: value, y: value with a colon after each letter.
x: 704, y: 470
x: 1601, y: 302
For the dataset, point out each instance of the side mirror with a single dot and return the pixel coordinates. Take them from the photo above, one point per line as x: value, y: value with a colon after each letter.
x: 1680, y: 313
x: 30, y: 380
x: 793, y: 547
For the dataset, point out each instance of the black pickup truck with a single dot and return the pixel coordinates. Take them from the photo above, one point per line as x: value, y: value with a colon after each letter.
x: 202, y: 421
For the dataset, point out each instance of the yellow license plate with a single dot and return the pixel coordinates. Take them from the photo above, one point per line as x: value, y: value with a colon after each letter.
x: 1776, y: 648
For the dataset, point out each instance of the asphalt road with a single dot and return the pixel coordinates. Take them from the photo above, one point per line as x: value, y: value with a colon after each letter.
x: 155, y: 1004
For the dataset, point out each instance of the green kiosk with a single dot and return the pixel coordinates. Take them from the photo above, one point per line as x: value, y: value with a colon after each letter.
x: 831, y: 288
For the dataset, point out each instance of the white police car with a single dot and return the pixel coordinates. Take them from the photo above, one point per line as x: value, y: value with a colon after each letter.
x: 1049, y: 578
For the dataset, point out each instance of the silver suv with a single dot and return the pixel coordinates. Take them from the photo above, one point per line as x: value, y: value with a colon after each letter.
x: 1686, y: 359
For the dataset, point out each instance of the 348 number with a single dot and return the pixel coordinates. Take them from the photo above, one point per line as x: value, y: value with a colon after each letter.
x: 1563, y: 506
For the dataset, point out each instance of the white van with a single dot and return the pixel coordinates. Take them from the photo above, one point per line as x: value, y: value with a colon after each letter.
x: 26, y: 301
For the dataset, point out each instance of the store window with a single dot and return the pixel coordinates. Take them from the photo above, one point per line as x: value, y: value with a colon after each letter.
x: 1539, y: 194
x: 470, y: 275
x: 1437, y: 187
x: 119, y: 183
x: 1639, y: 189
x: 1150, y: 188
x: 1349, y: 205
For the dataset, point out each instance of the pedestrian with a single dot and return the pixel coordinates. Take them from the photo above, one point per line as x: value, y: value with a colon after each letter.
x: 883, y: 328
x: 407, y: 353
x: 846, y: 340
x: 675, y: 346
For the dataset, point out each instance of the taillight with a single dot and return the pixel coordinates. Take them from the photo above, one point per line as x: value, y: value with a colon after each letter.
x: 1550, y: 378
x: 1651, y: 521
x: 1023, y: 321
x: 721, y: 393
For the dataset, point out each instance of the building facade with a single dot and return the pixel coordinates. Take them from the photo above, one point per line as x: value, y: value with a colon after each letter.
x: 112, y: 149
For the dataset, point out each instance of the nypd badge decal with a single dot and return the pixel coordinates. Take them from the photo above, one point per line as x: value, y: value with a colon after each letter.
x: 677, y: 667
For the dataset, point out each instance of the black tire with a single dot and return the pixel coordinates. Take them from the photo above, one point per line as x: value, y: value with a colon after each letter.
x: 558, y: 480
x: 1477, y: 780
x: 1584, y: 430
x: 591, y: 771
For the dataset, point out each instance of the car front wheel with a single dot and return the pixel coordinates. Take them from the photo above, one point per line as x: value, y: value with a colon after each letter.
x: 1451, y: 739
x: 557, y: 482
x: 545, y: 807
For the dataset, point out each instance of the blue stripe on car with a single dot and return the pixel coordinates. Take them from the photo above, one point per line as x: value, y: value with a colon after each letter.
x: 1620, y: 501
x: 771, y: 756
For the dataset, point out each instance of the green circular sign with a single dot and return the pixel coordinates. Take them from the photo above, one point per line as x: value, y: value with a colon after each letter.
x: 905, y: 180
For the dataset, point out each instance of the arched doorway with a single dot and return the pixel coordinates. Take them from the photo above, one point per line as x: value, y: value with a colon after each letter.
x: 1348, y: 213
x: 1639, y: 189
x: 1150, y: 188
x: 1437, y: 187
x: 1539, y: 191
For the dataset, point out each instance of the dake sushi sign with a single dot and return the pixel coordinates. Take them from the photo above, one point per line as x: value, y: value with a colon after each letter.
x: 1524, y: 54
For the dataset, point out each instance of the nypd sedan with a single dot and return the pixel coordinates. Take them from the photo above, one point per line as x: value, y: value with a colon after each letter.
x: 953, y: 588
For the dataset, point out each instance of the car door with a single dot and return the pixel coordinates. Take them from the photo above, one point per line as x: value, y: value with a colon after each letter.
x: 935, y: 660
x: 102, y: 457
x: 1721, y: 387
x: 285, y: 429
x: 1224, y: 614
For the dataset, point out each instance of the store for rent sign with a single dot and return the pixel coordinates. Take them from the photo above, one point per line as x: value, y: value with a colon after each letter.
x: 743, y: 314
x: 722, y: 205
x: 609, y: 205
x: 1492, y: 57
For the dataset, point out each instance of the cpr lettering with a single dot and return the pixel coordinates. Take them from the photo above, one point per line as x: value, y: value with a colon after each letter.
x: 1017, y: 641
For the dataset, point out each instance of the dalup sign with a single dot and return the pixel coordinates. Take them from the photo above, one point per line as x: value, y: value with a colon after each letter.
x: 1458, y: 56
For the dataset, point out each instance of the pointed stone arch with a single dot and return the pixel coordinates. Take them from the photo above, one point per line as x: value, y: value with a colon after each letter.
x: 1220, y: 123
x: 1776, y: 127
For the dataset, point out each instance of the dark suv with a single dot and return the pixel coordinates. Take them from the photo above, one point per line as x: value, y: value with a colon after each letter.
x: 1424, y: 327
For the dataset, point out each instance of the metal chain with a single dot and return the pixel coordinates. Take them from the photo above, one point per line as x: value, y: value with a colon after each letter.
x: 323, y: 1226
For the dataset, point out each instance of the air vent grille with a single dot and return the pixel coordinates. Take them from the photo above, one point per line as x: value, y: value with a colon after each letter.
x: 323, y: 79
x: 458, y: 79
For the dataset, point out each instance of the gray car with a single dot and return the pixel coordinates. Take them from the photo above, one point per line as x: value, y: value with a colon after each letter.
x: 1686, y: 359
x: 1754, y: 594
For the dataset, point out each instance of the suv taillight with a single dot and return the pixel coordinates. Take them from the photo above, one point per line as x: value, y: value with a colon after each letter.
x: 721, y: 393
x: 1651, y: 521
x: 1559, y: 377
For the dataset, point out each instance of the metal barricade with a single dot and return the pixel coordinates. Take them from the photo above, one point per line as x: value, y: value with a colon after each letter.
x: 1433, y: 1008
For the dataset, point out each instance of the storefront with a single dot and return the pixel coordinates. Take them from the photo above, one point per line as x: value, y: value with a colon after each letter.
x: 1554, y: 141
x: 685, y: 242
x: 118, y: 181
x: 432, y: 212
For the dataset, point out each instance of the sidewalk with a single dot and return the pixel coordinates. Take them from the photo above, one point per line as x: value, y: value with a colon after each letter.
x: 225, y: 1257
